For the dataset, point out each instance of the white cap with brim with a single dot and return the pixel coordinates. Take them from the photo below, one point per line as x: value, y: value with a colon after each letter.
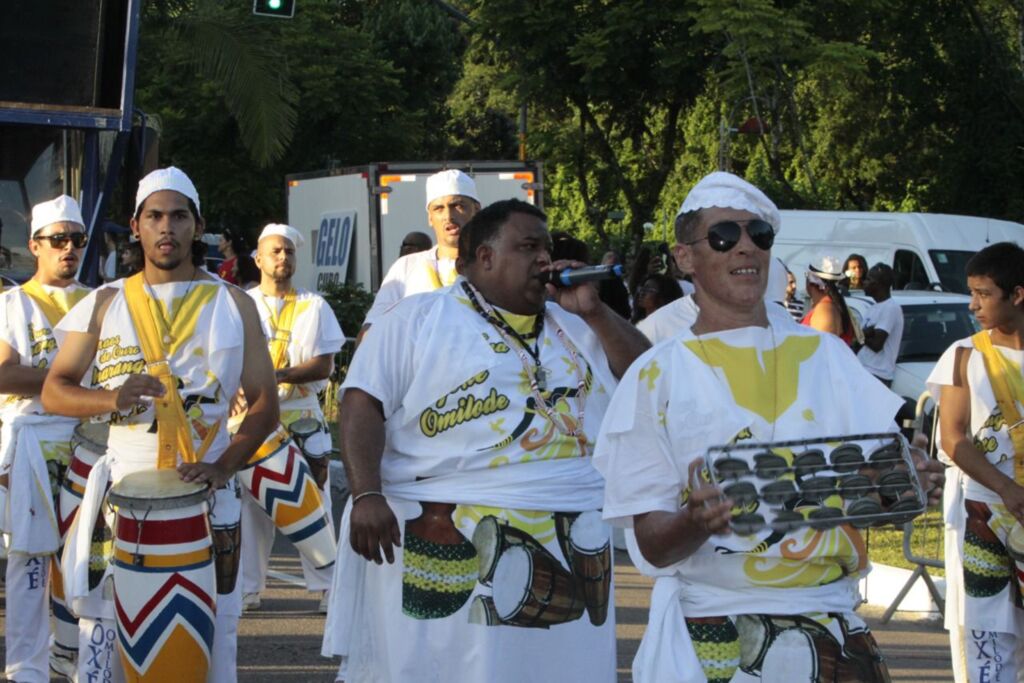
x: 59, y: 210
x: 285, y: 231
x: 728, y: 191
x: 450, y: 182
x: 169, y: 178
x: 826, y: 268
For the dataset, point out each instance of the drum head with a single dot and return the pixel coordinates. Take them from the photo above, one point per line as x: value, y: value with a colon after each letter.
x: 156, y: 490
x: 512, y: 579
x: 93, y: 435
x: 588, y: 533
x: 1015, y: 542
x: 304, y: 426
x: 486, y: 541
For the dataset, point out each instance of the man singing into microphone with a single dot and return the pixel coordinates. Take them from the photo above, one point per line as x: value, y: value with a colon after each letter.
x: 446, y: 461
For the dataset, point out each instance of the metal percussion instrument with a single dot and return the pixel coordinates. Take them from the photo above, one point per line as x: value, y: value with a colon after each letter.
x: 862, y: 480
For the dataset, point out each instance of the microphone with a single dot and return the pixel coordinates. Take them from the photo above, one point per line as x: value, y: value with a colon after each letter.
x: 571, y: 277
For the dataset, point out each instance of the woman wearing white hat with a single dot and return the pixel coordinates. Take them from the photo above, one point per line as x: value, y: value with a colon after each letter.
x: 828, y: 311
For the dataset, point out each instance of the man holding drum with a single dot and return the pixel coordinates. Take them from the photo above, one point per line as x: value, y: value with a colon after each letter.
x: 164, y: 352
x: 981, y: 392
x: 472, y: 549
x: 35, y: 445
x: 752, y: 602
x: 304, y: 336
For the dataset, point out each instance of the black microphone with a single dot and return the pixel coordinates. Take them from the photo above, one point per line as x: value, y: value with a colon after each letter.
x: 574, y: 276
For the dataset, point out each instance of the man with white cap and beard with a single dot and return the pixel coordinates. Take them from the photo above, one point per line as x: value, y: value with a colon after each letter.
x: 451, y: 201
x: 733, y: 603
x: 35, y: 445
x: 165, y: 351
x: 303, y: 335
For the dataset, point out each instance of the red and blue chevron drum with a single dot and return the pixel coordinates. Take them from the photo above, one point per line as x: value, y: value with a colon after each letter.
x: 279, y: 479
x: 88, y: 445
x: 165, y: 586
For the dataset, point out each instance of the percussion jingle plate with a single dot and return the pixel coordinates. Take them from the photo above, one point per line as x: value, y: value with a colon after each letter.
x: 747, y: 523
x: 886, y: 457
x: 863, y: 507
x: 779, y: 492
x: 769, y: 465
x: 892, y: 485
x: 741, y: 492
x: 824, y: 517
x: 847, y: 458
x: 809, y: 462
x: 817, y: 489
x: 903, y: 511
x: 731, y: 468
x: 854, y: 486
x: 787, y: 520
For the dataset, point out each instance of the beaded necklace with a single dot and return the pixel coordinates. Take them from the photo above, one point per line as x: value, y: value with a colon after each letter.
x: 530, y: 359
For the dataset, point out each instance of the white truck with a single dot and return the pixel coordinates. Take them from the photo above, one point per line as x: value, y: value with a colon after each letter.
x: 927, y: 250
x: 354, y: 218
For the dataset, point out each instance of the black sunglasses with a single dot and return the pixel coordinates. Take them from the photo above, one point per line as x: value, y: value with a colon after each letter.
x: 58, y: 240
x: 726, y: 235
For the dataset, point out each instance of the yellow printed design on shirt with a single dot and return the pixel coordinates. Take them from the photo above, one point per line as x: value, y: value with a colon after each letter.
x: 767, y: 391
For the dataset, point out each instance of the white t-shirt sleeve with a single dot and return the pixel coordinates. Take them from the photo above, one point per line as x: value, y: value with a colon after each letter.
x: 329, y: 335
x: 383, y: 365
x: 888, y: 318
x: 7, y: 321
x: 942, y: 374
x: 77, y: 319
x: 392, y: 290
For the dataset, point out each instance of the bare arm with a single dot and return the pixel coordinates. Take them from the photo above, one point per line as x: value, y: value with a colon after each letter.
x: 622, y: 342
x: 62, y: 392
x: 313, y: 370
x: 260, y: 391
x: 373, y: 524
x: 827, y: 319
x: 874, y: 338
x: 665, y: 538
x: 18, y: 379
x: 955, y: 420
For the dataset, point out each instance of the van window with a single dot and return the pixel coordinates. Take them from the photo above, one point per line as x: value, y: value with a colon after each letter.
x: 909, y: 271
x: 952, y: 269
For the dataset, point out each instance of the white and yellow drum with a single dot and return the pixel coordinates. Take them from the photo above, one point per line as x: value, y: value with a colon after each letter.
x: 164, y: 581
x: 280, y: 480
x: 1015, y: 549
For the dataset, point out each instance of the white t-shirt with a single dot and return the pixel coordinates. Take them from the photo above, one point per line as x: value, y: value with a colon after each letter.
x: 415, y: 273
x: 888, y: 317
x: 675, y: 316
x: 315, y: 332
x: 25, y: 328
x: 988, y: 428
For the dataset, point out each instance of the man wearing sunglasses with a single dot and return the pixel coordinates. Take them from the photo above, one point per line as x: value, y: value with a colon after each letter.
x: 36, y: 446
x: 740, y: 603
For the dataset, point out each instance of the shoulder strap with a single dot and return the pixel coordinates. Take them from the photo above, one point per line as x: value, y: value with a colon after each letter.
x: 997, y: 369
x: 53, y: 308
x: 173, y: 433
x: 282, y: 327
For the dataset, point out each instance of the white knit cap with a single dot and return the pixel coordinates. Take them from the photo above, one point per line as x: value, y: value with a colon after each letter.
x: 728, y: 191
x: 452, y: 181
x: 285, y: 231
x: 169, y: 178
x: 63, y: 208
x: 827, y: 268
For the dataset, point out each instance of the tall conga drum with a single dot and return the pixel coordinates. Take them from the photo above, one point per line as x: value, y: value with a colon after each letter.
x: 280, y: 480
x: 164, y: 580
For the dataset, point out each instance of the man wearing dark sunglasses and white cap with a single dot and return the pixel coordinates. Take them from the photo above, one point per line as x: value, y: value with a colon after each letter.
x: 35, y: 445
x: 733, y: 603
x: 451, y: 201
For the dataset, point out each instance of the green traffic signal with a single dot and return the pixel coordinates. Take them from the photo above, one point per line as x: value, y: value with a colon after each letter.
x: 282, y: 9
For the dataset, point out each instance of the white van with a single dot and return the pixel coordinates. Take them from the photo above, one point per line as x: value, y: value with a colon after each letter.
x: 927, y: 250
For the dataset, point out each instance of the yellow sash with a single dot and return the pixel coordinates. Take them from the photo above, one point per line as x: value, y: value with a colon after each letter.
x: 435, y: 276
x: 281, y: 325
x: 172, y: 428
x: 998, y: 370
x: 54, y: 308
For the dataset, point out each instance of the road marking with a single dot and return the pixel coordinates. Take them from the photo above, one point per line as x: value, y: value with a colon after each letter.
x: 287, y: 578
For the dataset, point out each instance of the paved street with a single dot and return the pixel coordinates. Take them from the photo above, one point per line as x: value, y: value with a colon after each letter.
x: 281, y: 641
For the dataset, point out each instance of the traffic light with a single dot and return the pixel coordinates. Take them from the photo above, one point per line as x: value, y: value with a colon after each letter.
x: 282, y: 9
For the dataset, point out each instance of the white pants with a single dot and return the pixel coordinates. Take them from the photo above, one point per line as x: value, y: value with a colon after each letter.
x: 258, y: 540
x: 991, y: 656
x: 27, y: 636
x: 98, y: 660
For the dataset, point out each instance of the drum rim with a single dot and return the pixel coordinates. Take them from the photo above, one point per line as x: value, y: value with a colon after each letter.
x: 291, y: 425
x: 80, y: 439
x: 182, y: 500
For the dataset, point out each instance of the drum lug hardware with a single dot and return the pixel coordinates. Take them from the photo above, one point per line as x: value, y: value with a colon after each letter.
x: 138, y: 560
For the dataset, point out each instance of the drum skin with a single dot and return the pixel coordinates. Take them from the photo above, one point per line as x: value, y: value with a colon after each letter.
x: 164, y: 579
x: 282, y: 484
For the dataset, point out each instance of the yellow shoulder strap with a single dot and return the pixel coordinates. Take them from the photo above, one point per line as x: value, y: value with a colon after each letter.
x: 173, y: 433
x: 53, y: 308
x: 282, y: 326
x: 997, y: 368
